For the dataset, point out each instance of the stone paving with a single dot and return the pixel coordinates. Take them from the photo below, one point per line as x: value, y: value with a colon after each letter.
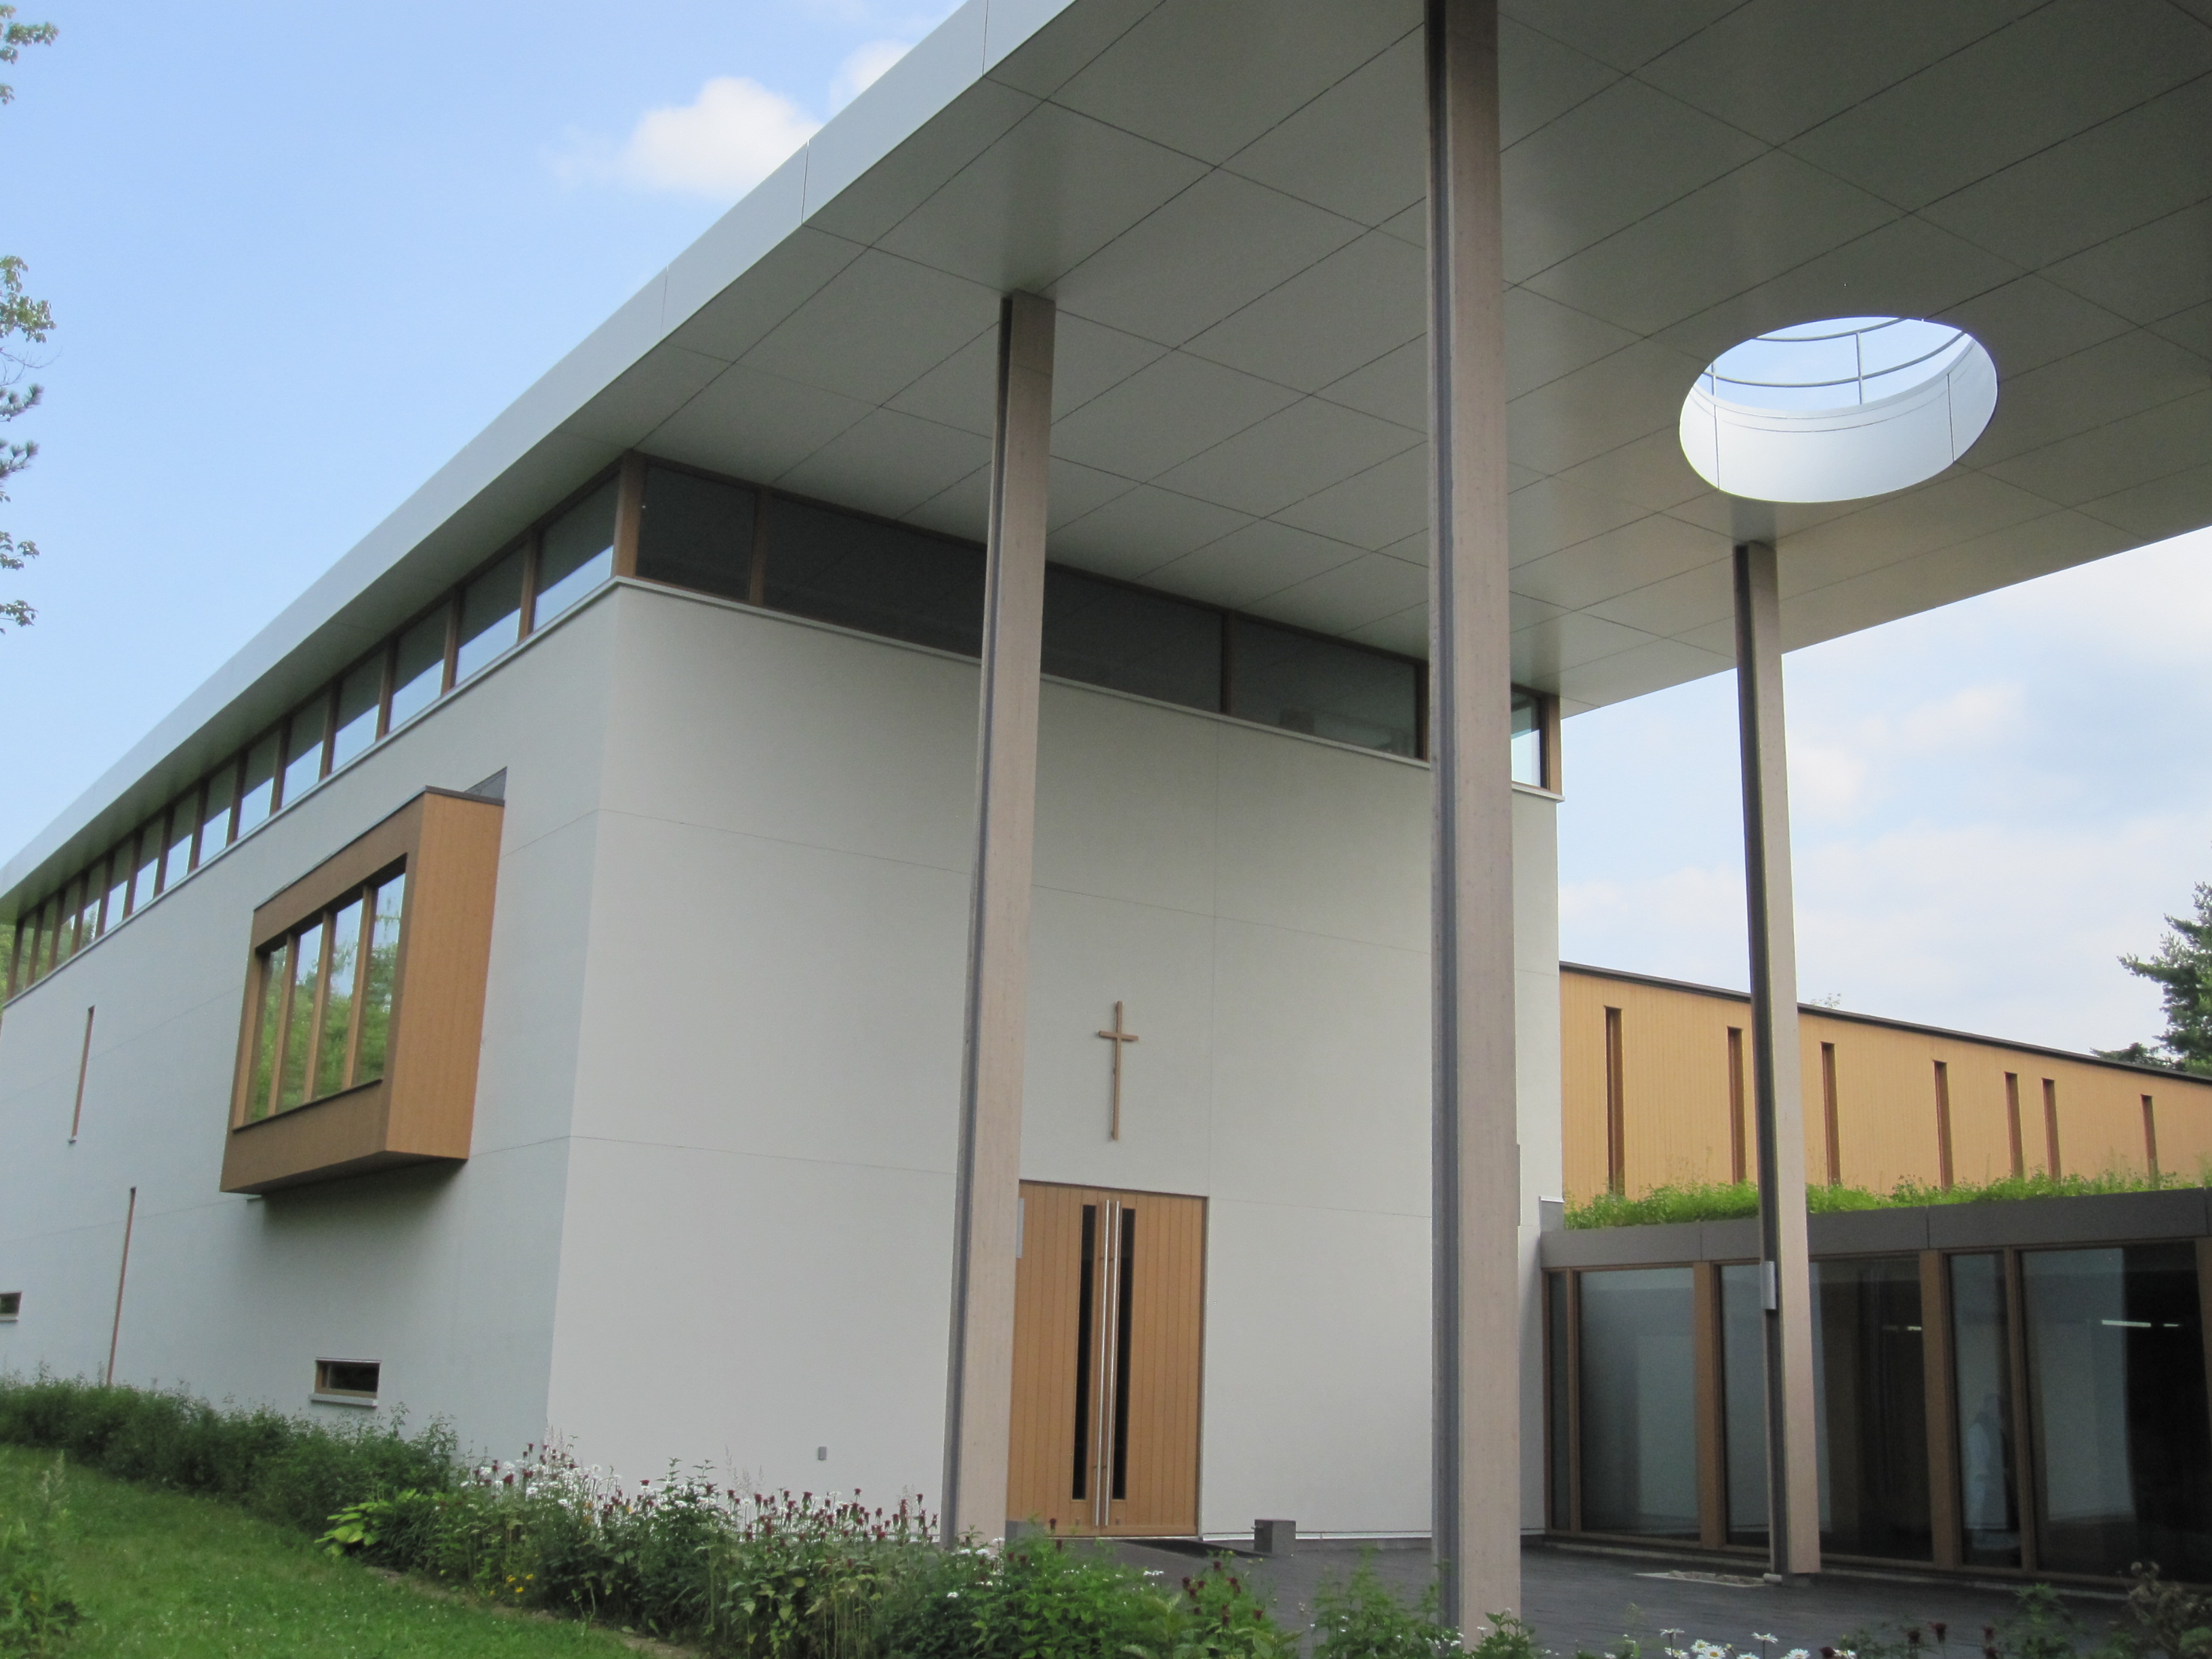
x: 1585, y: 1598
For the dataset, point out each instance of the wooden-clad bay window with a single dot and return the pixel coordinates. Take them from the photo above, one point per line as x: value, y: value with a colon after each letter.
x: 357, y: 1048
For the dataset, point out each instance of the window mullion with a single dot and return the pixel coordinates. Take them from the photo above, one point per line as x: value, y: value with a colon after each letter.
x: 279, y: 959
x: 360, y: 980
x: 329, y: 921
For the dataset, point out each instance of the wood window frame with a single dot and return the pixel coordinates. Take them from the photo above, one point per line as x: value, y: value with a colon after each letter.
x: 1616, y: 1104
x: 1943, y: 1169
x: 1831, y: 1112
x: 422, y: 1108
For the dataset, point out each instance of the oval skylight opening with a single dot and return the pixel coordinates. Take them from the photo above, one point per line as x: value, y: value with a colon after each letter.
x: 1837, y: 410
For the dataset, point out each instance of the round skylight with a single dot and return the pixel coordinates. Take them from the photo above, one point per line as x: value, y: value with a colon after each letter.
x: 1834, y: 411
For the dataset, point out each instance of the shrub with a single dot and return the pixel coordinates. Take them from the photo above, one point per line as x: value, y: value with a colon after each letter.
x: 35, y: 1609
x: 2174, y: 1622
x: 1360, y: 1619
x: 290, y: 1471
x: 1723, y: 1200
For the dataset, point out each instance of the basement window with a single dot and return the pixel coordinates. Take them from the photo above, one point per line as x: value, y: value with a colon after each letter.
x: 1839, y: 410
x: 11, y: 1305
x: 347, y: 1382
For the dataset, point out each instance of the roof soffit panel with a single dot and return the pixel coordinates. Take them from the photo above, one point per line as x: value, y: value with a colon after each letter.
x: 1376, y: 508
x: 2192, y: 328
x: 1769, y: 216
x: 1338, y: 314
x: 1406, y: 633
x: 2139, y: 166
x: 1545, y: 340
x: 888, y: 463
x: 2065, y: 67
x: 2160, y: 508
x: 1176, y: 407
x: 2031, y: 322
x: 2159, y: 271
x: 1088, y: 358
x: 1612, y: 158
x: 2121, y: 377
x: 1619, y: 561
x: 1213, y: 249
x: 2133, y: 450
x: 1689, y: 599
x: 1364, y: 590
x: 1623, y: 33
x: 931, y: 109
x: 1208, y: 76
x: 1634, y: 393
x: 1034, y: 45
x: 1907, y: 268
x: 754, y: 425
x: 876, y: 327
x: 1313, y: 155
x: 1046, y: 196
x: 1137, y: 533
x: 1393, y: 387
x: 1776, y: 68
x: 1247, y: 564
x: 1288, y: 456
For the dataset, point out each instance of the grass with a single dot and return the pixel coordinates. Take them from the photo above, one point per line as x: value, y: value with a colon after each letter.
x: 164, y: 1576
x: 1721, y: 1200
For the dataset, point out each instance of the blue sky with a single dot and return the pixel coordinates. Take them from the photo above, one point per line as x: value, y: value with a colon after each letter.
x: 300, y: 254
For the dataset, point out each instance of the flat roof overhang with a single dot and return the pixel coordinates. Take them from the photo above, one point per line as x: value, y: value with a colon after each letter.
x: 1226, y: 199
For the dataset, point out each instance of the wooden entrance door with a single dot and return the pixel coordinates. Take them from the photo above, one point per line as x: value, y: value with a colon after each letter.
x: 1109, y: 1293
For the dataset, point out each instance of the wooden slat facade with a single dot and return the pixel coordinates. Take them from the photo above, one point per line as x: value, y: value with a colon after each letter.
x: 1648, y: 1102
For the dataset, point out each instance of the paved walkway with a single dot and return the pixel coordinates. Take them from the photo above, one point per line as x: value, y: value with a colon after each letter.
x: 1590, y: 1599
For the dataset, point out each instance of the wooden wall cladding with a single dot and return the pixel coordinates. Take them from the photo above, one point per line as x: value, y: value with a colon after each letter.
x: 1675, y: 1117
x: 422, y: 1110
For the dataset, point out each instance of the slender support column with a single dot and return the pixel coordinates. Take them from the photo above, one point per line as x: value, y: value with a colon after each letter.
x: 1793, y: 1490
x: 979, y: 1386
x: 1476, y: 1161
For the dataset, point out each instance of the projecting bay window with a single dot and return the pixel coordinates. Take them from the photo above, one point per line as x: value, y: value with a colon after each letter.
x: 325, y: 1001
x: 364, y: 1001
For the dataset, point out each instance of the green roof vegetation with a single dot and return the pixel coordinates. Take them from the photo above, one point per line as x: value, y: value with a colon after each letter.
x: 1723, y: 1200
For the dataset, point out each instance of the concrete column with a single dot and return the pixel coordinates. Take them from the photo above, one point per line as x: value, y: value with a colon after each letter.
x: 1793, y: 1483
x: 979, y: 1385
x: 1475, y: 1170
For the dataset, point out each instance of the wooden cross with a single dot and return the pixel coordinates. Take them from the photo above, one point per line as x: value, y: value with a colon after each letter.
x: 1118, y: 1038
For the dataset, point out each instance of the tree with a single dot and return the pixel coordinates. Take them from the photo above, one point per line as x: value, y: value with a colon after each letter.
x: 24, y: 322
x: 2183, y: 971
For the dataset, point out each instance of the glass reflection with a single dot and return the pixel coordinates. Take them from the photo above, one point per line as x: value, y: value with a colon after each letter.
x: 379, y: 974
x: 1870, y: 1390
x: 1639, y: 1471
x: 1557, y: 1380
x: 1743, y: 1401
x: 359, y: 693
x: 419, y: 668
x: 694, y: 532
x: 337, y: 1001
x: 1324, y: 688
x: 491, y: 615
x: 2116, y: 1364
x: 257, y: 798
x: 303, y: 747
x: 1981, y: 1361
x: 1104, y: 633
x: 300, y: 1017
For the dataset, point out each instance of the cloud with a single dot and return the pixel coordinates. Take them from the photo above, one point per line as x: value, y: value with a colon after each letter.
x: 1992, y: 800
x: 862, y: 68
x: 720, y: 145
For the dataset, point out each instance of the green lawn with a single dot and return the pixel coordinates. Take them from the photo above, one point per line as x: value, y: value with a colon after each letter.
x: 162, y: 1575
